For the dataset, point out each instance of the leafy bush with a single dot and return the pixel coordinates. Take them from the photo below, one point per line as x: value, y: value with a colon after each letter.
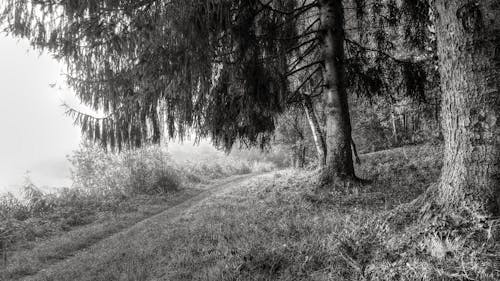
x: 145, y: 171
x: 12, y: 207
x: 149, y: 171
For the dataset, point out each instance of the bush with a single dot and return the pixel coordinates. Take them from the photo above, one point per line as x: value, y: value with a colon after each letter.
x: 11, y: 207
x: 165, y: 181
x: 152, y: 170
x: 143, y: 171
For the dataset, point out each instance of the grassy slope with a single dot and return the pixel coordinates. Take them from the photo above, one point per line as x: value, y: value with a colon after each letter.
x: 278, y: 227
x: 53, y: 227
x: 39, y: 254
x: 109, y: 256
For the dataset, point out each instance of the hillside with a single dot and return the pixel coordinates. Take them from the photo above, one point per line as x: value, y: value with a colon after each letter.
x: 277, y: 226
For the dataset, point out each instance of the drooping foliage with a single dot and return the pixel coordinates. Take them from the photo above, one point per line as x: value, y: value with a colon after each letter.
x: 216, y: 68
x: 158, y: 68
x: 390, y: 49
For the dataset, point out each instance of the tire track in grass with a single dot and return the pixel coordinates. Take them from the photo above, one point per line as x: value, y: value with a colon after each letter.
x: 106, y: 251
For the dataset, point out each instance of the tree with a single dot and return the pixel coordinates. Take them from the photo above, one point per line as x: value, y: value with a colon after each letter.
x: 468, y: 36
x: 135, y: 60
x: 339, y: 162
x: 367, y: 60
x: 158, y: 68
x: 317, y: 132
x: 291, y: 133
x: 219, y: 68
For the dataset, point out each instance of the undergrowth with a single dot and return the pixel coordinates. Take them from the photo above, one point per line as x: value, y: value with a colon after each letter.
x: 107, y: 186
x: 283, y: 228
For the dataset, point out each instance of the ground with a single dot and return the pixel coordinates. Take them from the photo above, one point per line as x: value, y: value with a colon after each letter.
x: 279, y: 226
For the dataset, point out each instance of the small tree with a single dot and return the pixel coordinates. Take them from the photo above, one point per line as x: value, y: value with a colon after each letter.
x: 292, y: 133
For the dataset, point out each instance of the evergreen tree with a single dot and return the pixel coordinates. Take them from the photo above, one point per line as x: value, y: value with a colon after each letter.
x: 163, y: 68
x: 220, y: 68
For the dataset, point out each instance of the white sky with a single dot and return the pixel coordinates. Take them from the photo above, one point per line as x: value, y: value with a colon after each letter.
x: 35, y: 133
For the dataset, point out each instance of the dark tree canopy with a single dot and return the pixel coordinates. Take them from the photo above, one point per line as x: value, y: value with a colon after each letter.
x: 164, y: 67
x: 217, y: 68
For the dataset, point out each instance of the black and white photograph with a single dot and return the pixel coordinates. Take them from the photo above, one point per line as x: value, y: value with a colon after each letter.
x: 249, y: 140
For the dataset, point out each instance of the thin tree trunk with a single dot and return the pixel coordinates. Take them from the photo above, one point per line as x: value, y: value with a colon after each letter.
x: 3, y: 251
x: 394, y: 128
x: 436, y: 110
x: 319, y: 139
x: 355, y: 151
x: 302, y: 155
x: 339, y: 164
x: 299, y: 155
x: 405, y: 130
x: 293, y: 158
x: 469, y: 59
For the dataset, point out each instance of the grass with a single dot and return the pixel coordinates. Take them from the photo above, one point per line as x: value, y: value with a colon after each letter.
x: 280, y: 227
x: 31, y: 257
x: 112, y: 193
x: 125, y: 255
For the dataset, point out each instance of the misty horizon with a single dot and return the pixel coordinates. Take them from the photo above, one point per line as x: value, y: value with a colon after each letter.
x: 37, y: 134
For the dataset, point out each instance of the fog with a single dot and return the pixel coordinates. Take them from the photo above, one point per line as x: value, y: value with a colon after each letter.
x: 36, y: 135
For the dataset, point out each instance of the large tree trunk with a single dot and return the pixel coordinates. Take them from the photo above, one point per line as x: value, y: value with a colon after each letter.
x: 339, y: 164
x: 468, y: 35
x: 319, y: 139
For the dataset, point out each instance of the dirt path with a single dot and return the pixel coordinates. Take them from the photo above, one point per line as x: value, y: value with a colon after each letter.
x: 86, y: 264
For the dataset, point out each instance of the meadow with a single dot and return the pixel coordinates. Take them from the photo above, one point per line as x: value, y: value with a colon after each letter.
x: 279, y: 226
x: 110, y: 192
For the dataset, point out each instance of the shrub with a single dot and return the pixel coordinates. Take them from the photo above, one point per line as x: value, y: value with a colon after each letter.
x: 166, y: 180
x: 142, y: 171
x: 152, y: 170
x: 11, y: 207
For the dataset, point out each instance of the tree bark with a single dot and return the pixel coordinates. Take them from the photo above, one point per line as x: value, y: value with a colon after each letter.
x: 299, y: 155
x: 302, y: 155
x: 355, y: 151
x: 394, y: 128
x: 468, y: 35
x: 319, y: 139
x: 339, y: 164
